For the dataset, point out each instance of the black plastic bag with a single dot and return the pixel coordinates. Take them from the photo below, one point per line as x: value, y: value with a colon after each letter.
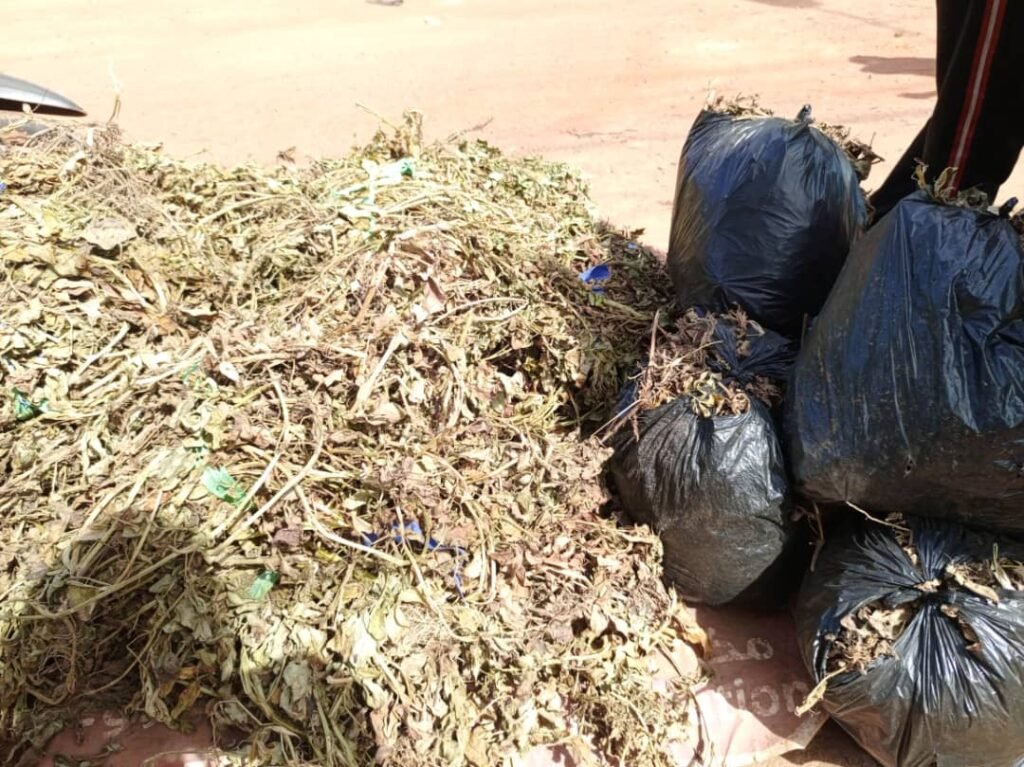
x: 713, y: 488
x: 765, y: 212
x: 935, y: 701
x: 909, y: 392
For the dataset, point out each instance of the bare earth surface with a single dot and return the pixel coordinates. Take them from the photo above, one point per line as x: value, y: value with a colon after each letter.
x: 610, y: 87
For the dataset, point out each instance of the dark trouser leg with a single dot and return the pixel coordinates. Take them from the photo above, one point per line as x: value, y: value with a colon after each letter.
x: 973, y: 126
x: 976, y: 127
x: 900, y: 181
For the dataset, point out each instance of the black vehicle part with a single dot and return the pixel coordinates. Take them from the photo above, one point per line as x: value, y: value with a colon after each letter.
x: 765, y: 212
x: 935, y: 701
x: 908, y: 392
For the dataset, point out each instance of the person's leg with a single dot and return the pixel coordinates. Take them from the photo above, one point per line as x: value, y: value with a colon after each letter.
x: 975, y: 127
x: 950, y: 23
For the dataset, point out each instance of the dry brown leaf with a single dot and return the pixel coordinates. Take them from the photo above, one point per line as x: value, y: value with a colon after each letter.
x: 961, y: 575
x: 109, y: 233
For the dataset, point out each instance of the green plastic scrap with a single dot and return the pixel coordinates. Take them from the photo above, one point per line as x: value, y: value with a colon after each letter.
x: 222, y: 485
x: 25, y: 409
x: 263, y: 584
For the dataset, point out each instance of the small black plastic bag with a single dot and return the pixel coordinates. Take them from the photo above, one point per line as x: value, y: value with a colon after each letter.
x: 713, y: 487
x: 951, y: 692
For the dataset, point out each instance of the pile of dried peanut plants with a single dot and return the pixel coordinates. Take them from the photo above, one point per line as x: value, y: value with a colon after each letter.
x: 299, y: 448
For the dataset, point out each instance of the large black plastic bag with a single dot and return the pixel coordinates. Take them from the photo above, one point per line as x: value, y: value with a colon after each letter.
x: 765, y: 212
x: 937, y: 702
x: 909, y: 391
x: 713, y: 488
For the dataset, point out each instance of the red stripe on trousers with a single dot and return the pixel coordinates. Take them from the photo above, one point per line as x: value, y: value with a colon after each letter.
x: 974, y: 98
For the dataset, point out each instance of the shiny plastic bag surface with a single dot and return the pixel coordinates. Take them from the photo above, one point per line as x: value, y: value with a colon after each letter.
x: 765, y: 212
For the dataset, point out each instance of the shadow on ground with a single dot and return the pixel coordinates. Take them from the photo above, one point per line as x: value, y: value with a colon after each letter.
x: 896, y: 65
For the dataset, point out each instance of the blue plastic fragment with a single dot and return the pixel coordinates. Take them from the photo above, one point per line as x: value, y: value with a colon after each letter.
x: 599, y: 273
x: 413, y: 528
x: 596, y: 276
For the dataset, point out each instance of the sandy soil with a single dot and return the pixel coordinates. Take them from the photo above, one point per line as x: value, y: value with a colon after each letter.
x: 610, y: 87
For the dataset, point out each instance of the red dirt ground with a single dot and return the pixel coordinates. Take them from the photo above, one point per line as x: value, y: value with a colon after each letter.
x: 610, y: 87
